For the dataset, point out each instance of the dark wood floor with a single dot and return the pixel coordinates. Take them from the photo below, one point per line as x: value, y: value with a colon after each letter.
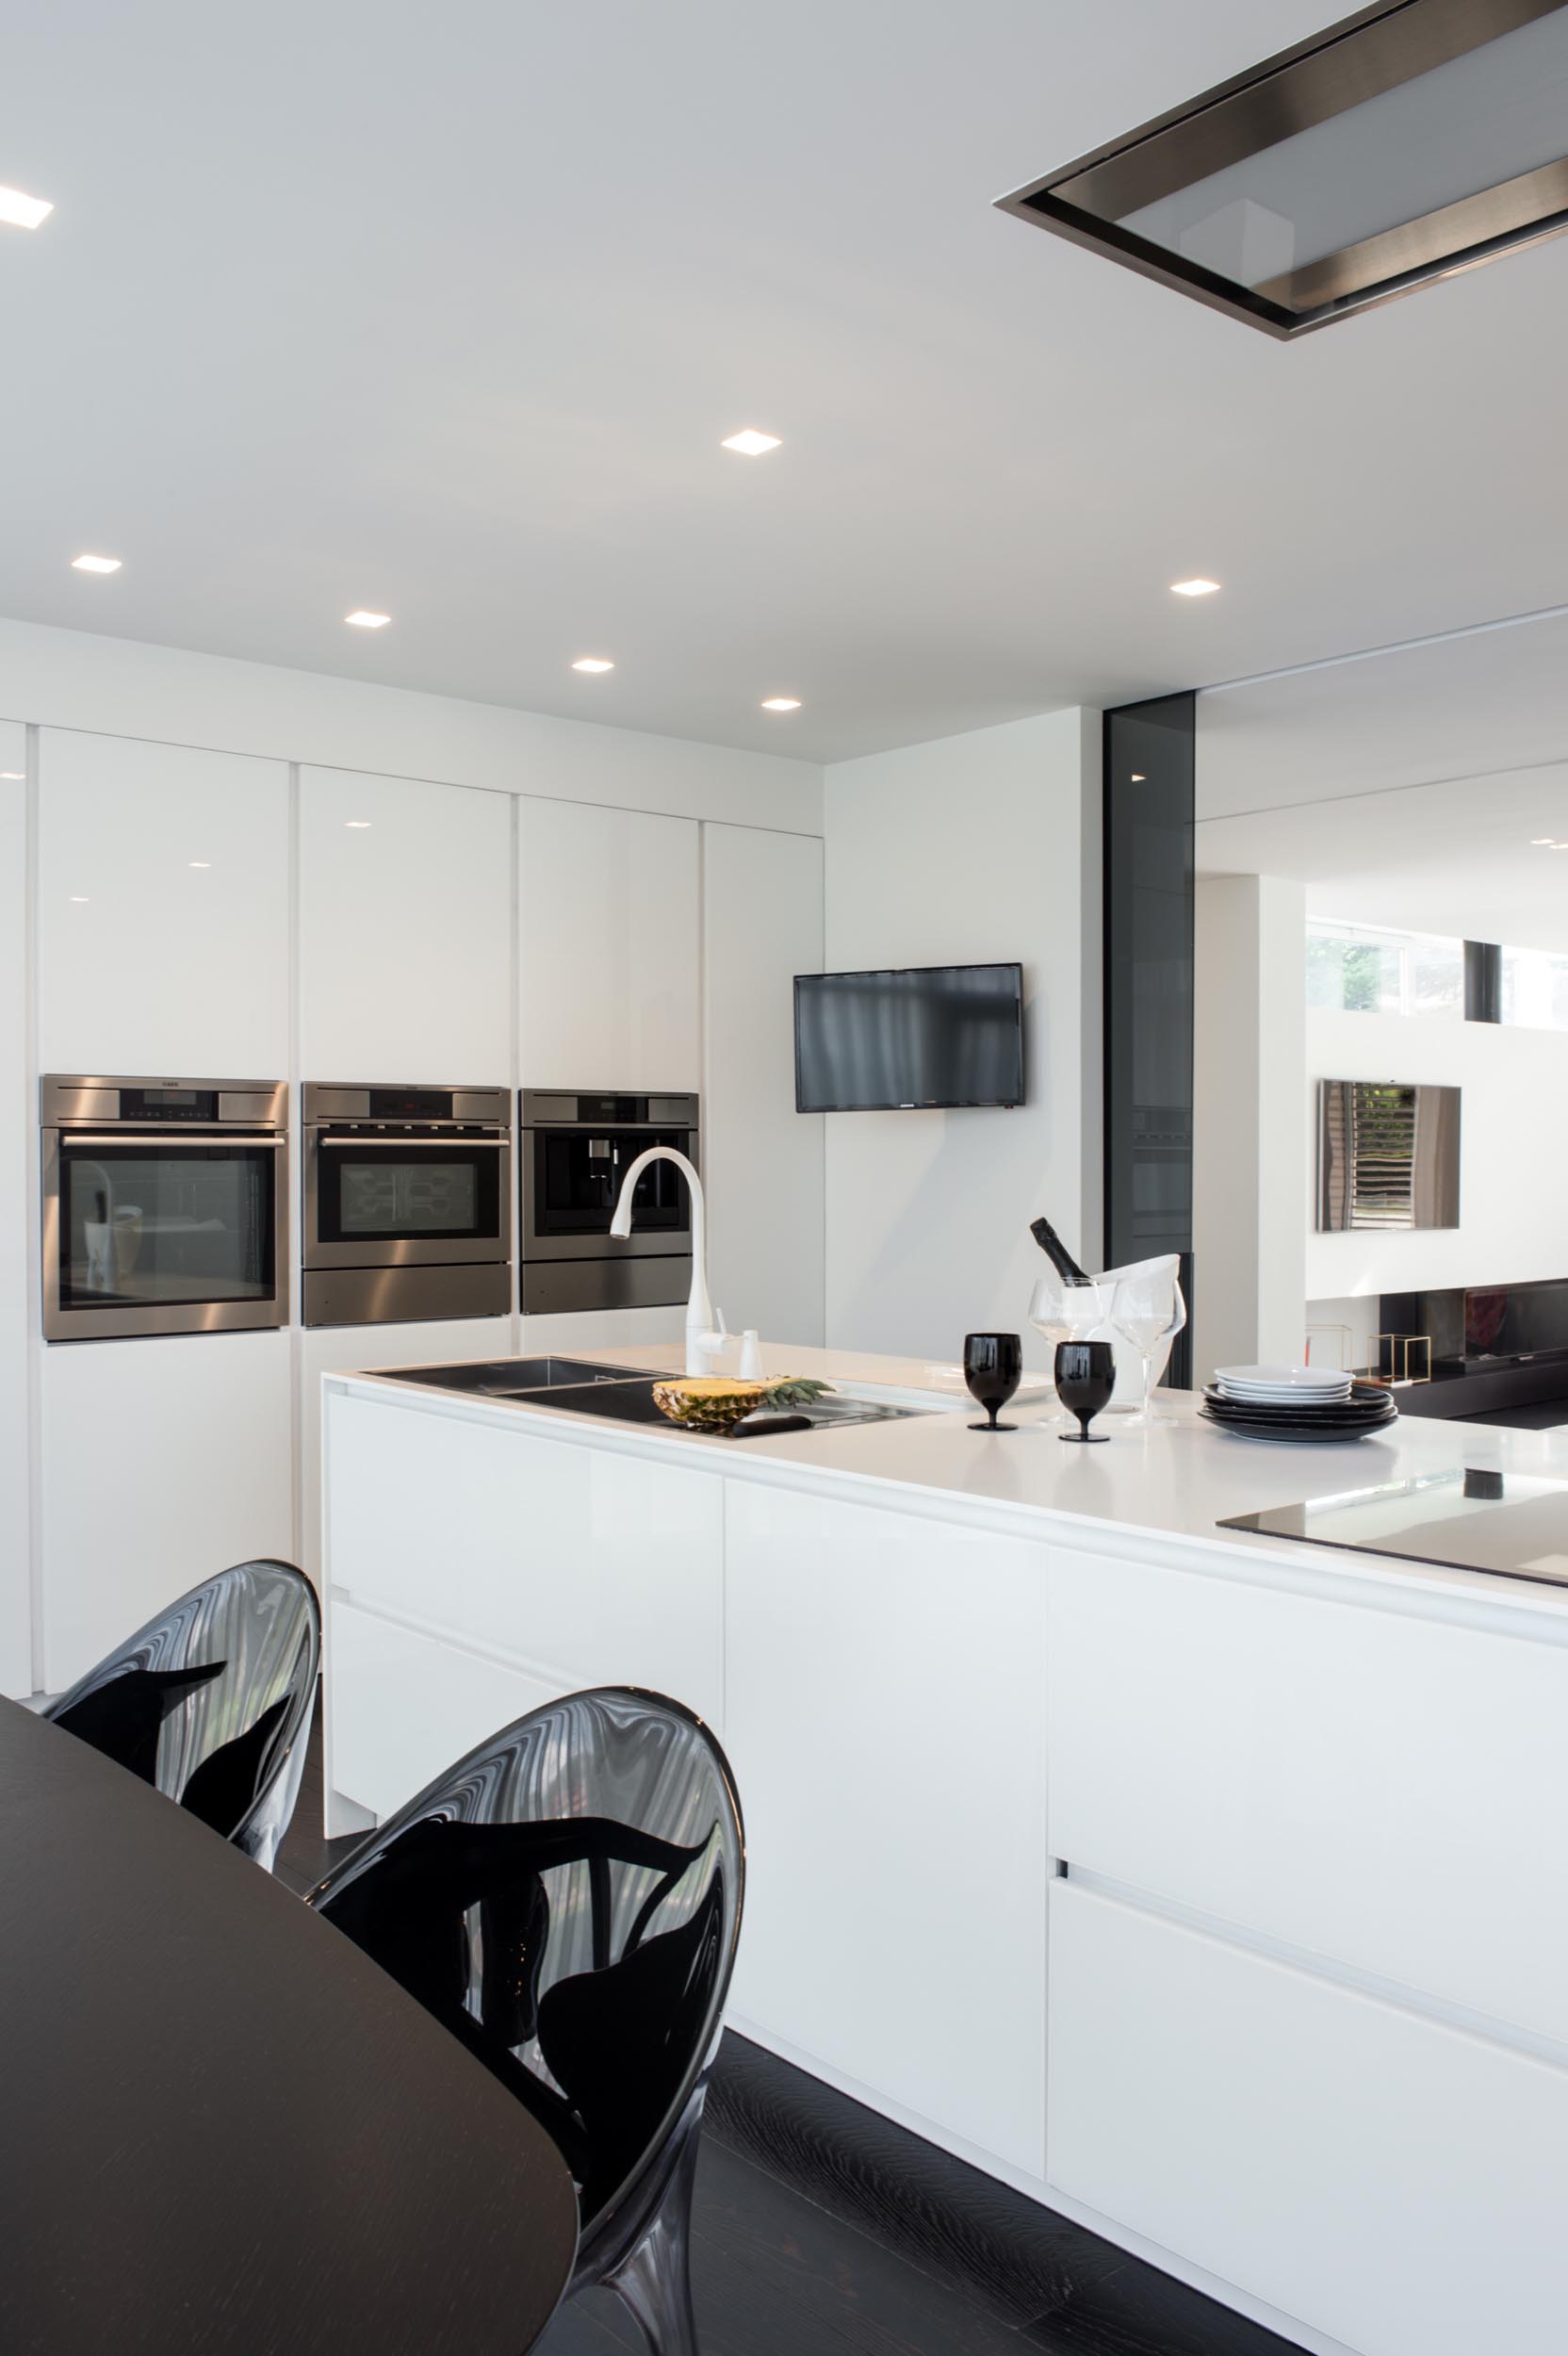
x: 818, y: 2225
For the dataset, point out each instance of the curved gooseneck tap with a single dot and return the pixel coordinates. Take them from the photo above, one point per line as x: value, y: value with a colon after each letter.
x: 699, y: 1309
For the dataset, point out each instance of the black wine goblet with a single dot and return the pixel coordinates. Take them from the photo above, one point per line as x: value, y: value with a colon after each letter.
x: 993, y: 1367
x: 1085, y: 1376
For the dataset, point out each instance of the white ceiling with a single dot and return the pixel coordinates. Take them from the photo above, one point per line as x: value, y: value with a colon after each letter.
x: 444, y: 311
x: 1405, y: 790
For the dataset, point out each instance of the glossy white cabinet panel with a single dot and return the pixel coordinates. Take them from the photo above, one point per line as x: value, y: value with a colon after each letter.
x: 348, y: 1349
x: 1330, y: 1776
x: 405, y: 931
x: 607, y: 1329
x: 163, y: 910
x: 608, y: 948
x: 883, y: 1715
x: 164, y: 1460
x: 591, y: 1568
x: 18, y: 1133
x: 404, y: 1706
x: 762, y: 1161
x: 1396, y: 2184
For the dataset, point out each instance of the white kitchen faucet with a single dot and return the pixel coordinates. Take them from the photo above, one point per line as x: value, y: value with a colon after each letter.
x: 702, y: 1342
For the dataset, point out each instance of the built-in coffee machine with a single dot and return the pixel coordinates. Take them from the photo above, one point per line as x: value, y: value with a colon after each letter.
x: 576, y: 1147
x: 407, y: 1203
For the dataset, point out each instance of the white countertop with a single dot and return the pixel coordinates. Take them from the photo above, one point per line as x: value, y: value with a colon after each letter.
x: 1175, y: 1482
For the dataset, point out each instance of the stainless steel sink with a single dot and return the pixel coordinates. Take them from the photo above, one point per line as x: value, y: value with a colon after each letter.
x: 498, y: 1378
x: 583, y: 1387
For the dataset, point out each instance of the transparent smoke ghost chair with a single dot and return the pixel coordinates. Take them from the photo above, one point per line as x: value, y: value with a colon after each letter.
x: 568, y: 1900
x: 211, y: 1702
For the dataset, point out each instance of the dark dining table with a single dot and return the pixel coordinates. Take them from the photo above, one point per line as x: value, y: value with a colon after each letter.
x: 223, y: 2128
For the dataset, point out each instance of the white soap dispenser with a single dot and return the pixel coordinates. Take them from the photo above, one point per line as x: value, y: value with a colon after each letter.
x: 750, y: 1367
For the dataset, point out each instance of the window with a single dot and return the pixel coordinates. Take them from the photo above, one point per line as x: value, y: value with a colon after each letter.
x: 1535, y: 990
x: 1362, y: 969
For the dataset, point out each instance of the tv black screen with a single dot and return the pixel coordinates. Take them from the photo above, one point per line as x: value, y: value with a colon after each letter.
x: 920, y: 1036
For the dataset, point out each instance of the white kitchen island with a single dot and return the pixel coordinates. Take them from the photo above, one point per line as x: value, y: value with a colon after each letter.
x: 1211, y: 1889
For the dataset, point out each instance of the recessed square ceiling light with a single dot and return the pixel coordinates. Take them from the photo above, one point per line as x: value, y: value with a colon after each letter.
x: 593, y: 662
x: 1197, y: 588
x: 23, y: 212
x: 1409, y: 141
x: 95, y: 564
x: 362, y: 620
x: 782, y: 703
x: 750, y: 443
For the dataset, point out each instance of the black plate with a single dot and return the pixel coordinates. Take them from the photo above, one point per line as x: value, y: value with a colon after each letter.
x: 1242, y: 1430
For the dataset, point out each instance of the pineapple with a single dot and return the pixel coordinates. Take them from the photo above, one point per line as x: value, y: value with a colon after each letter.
x: 717, y: 1402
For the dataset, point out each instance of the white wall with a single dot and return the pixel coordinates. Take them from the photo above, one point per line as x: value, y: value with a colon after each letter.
x: 1514, y: 1148
x: 1248, y: 1133
x: 973, y: 849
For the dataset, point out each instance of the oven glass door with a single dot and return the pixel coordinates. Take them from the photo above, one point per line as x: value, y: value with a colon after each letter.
x: 159, y: 1225
x: 576, y: 1184
x: 390, y: 1202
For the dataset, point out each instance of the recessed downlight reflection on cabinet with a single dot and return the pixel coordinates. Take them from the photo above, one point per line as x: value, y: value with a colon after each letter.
x: 782, y: 703
x: 96, y: 563
x: 1195, y: 587
x: 360, y: 619
x: 78, y: 899
x: 358, y: 824
x: 593, y: 662
x: 12, y: 776
x: 750, y: 442
x: 199, y: 862
x: 23, y: 211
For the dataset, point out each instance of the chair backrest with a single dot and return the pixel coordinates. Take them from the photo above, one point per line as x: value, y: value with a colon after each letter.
x: 568, y: 1900
x: 212, y: 1701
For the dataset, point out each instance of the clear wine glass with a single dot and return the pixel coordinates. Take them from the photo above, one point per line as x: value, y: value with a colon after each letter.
x: 1063, y: 1311
x: 1148, y: 1310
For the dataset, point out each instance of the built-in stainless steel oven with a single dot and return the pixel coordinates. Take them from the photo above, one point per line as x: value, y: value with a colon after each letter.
x: 407, y: 1203
x: 576, y: 1147
x: 165, y: 1206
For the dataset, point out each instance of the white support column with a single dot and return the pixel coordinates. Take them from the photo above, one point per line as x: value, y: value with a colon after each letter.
x: 1250, y: 1131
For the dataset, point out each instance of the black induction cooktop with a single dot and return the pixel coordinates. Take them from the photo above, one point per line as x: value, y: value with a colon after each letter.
x: 1469, y: 1518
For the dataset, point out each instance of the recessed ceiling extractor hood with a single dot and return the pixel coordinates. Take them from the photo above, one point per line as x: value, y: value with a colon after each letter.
x: 1405, y: 144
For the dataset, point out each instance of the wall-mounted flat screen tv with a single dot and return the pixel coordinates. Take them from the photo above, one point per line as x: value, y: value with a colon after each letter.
x: 909, y: 1039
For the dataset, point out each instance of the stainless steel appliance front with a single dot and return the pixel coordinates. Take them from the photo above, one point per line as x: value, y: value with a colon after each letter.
x: 576, y: 1147
x: 165, y: 1206
x: 407, y: 1203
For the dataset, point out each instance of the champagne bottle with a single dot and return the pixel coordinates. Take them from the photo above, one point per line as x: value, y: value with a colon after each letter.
x: 1058, y: 1254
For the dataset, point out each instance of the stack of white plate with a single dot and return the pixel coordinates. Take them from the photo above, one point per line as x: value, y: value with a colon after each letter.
x: 1283, y: 1387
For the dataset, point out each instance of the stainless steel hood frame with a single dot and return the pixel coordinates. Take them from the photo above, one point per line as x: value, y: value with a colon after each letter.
x: 1360, y: 58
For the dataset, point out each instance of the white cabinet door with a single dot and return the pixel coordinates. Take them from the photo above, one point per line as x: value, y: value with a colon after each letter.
x: 163, y: 910
x: 164, y: 1460
x: 608, y: 948
x: 401, y: 1706
x: 1321, y: 1773
x: 18, y: 1147
x: 584, y: 1567
x: 405, y: 931
x: 883, y: 1680
x: 762, y: 1161
x: 349, y: 1349
x: 1396, y: 2184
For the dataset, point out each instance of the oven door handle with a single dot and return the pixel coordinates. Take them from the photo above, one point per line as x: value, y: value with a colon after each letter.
x: 424, y: 1145
x: 174, y: 1144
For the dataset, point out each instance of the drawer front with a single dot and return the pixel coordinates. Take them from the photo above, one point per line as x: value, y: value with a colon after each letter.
x: 1386, y: 1790
x: 401, y: 1707
x: 592, y: 1567
x: 1396, y: 2184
